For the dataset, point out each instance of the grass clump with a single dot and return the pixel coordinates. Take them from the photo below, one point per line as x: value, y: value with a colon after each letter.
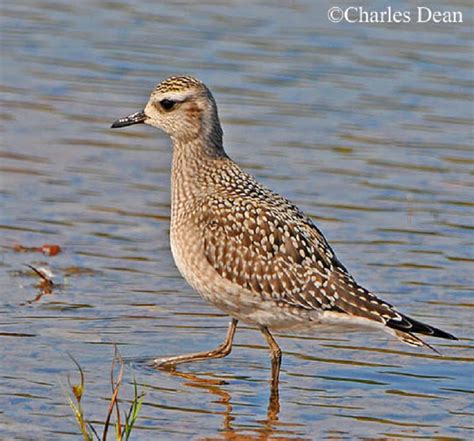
x: 123, y: 429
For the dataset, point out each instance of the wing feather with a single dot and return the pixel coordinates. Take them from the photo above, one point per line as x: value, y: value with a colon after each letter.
x: 276, y: 252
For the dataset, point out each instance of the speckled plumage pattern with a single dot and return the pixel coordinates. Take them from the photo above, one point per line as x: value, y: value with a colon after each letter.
x: 244, y: 248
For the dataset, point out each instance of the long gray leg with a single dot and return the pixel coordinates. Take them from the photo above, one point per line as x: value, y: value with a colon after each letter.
x: 221, y: 351
x: 275, y: 353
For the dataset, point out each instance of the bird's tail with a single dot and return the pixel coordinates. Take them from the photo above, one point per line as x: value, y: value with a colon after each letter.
x: 412, y: 340
x: 405, y: 327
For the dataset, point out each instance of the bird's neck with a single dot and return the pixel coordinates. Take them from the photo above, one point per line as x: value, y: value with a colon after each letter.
x: 195, y: 162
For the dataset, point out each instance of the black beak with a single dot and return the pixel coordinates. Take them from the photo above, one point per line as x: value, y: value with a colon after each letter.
x: 134, y: 118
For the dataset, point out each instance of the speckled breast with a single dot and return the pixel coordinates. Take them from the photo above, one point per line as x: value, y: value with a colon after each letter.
x: 187, y: 246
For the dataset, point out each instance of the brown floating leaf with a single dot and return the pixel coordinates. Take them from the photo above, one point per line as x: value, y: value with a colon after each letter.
x: 46, y: 249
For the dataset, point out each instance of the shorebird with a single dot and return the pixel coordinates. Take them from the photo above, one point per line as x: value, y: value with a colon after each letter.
x: 245, y: 249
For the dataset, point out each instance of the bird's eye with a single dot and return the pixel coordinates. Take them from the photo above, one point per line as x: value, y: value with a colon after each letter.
x: 167, y: 104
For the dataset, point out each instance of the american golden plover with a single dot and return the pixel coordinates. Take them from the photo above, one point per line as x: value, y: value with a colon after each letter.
x: 245, y: 249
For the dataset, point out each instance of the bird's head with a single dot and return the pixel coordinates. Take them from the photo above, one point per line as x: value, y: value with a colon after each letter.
x: 182, y: 106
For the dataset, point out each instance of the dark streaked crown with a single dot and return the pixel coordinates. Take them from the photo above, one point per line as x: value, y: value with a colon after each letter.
x: 178, y: 83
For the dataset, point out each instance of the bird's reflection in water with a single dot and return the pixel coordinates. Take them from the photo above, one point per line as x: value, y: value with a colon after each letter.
x: 268, y: 427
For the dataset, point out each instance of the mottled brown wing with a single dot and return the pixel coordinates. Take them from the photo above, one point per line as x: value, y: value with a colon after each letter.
x: 355, y: 300
x: 279, y: 254
x: 257, y: 249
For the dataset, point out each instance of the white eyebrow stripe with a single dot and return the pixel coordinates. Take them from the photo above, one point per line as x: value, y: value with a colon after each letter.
x: 175, y: 96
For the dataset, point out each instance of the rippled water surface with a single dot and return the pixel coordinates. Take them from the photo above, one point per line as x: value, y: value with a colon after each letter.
x: 366, y: 127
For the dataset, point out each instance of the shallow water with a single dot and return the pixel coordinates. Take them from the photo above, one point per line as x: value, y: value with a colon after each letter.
x: 365, y: 127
